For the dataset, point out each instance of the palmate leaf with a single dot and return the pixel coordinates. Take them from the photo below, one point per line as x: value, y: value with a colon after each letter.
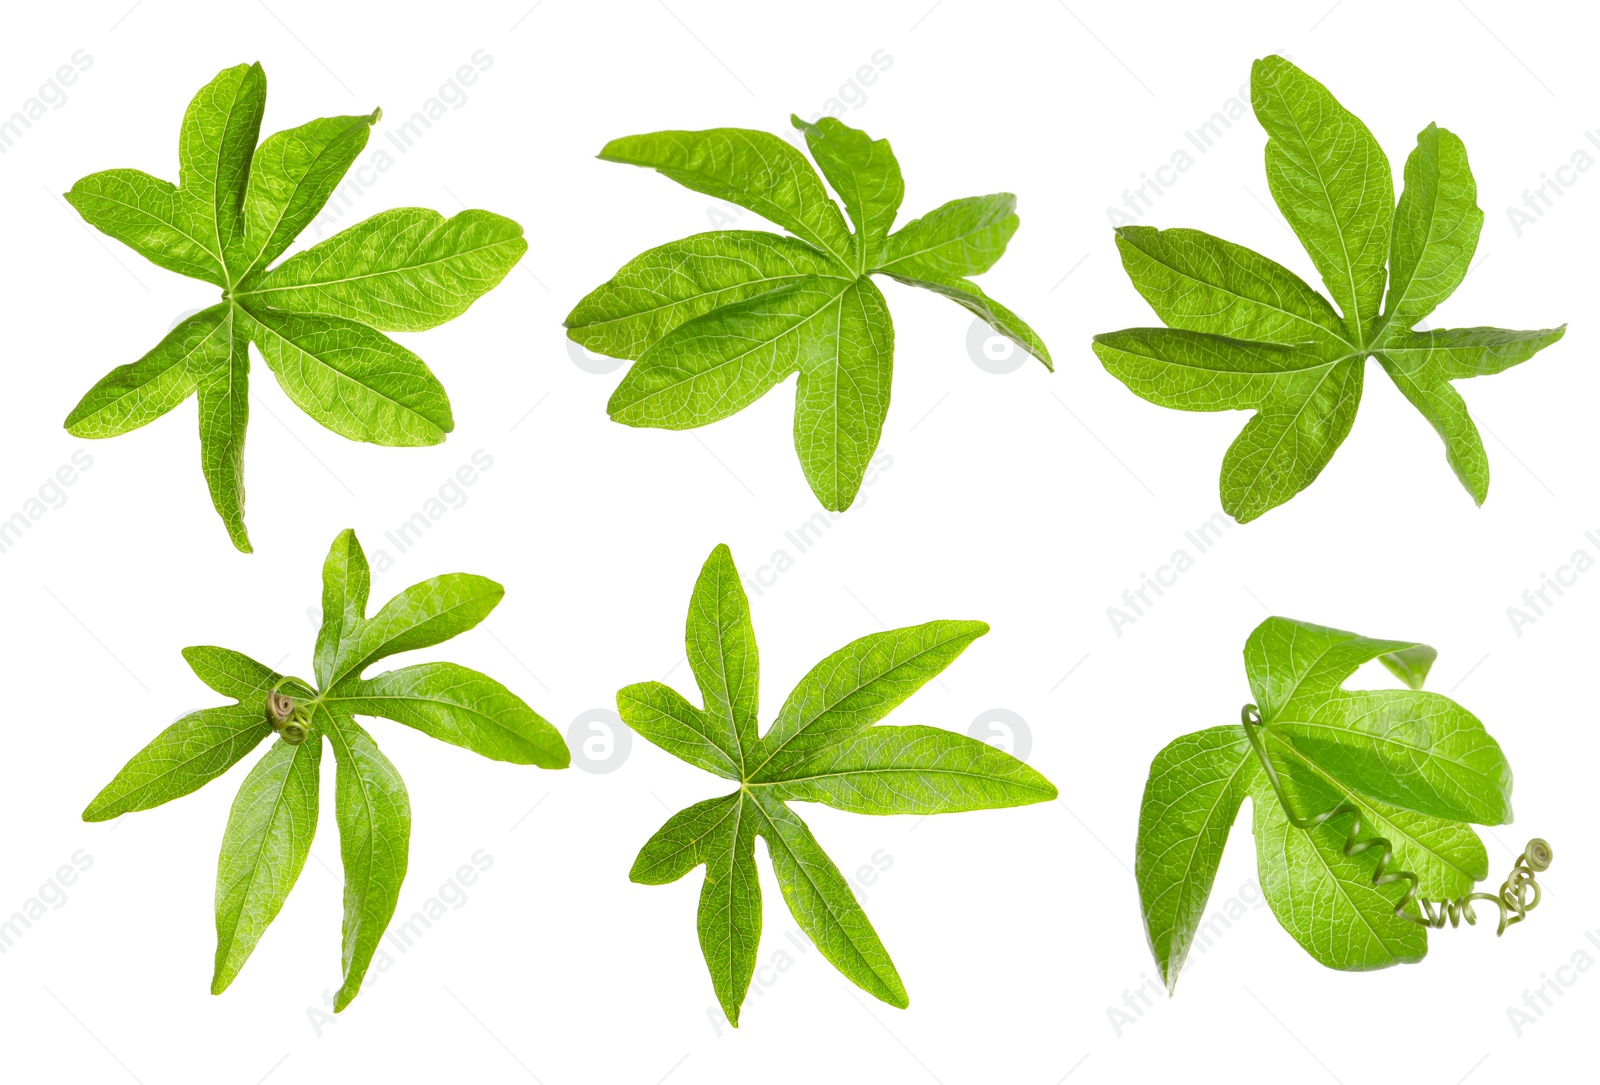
x: 317, y: 318
x: 1246, y: 333
x: 823, y: 747
x: 1416, y: 766
x: 274, y: 817
x: 713, y: 322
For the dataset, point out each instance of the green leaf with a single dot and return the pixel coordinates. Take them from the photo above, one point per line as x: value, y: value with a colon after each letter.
x: 316, y: 317
x: 291, y: 177
x: 405, y: 270
x: 963, y: 237
x: 266, y: 843
x: 140, y: 392
x: 822, y: 903
x: 224, y: 396
x: 374, y: 840
x: 856, y: 687
x: 911, y: 770
x: 755, y: 170
x: 714, y: 321
x: 968, y: 295
x: 1325, y: 899
x: 823, y: 748
x: 1361, y: 802
x: 1193, y: 794
x: 716, y: 365
x: 273, y: 819
x: 1418, y: 750
x: 665, y: 287
x: 864, y: 173
x: 843, y: 396
x: 458, y: 705
x: 1245, y: 333
x: 215, y: 145
x: 723, y: 656
x: 356, y: 381
x: 1436, y: 227
x: 146, y: 214
x: 1331, y: 180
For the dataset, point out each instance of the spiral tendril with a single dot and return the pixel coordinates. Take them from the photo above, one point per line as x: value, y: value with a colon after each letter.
x: 290, y: 719
x: 1519, y: 893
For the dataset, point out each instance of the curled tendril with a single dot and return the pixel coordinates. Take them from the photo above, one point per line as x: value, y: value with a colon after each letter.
x: 291, y: 720
x: 1518, y: 895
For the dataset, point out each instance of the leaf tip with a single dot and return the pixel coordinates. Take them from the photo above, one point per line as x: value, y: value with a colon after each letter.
x: 377, y: 115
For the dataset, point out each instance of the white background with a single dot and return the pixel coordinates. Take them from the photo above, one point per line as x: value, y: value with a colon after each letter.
x: 1026, y: 499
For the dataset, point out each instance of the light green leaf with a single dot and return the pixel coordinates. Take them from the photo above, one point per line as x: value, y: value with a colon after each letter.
x: 856, y: 687
x: 146, y: 214
x: 1421, y: 751
x: 963, y: 237
x: 1190, y: 801
x: 266, y: 843
x: 911, y: 770
x: 356, y: 381
x: 720, y: 363
x: 1325, y: 899
x: 460, y: 706
x: 823, y: 748
x: 138, y: 393
x: 224, y: 394
x: 864, y: 173
x: 184, y: 758
x: 1331, y: 180
x: 755, y: 170
x: 663, y: 716
x: 316, y: 317
x: 723, y: 656
x: 1305, y: 404
x: 843, y: 395
x: 374, y: 814
x: 715, y: 321
x: 1436, y: 228
x: 291, y: 177
x: 1361, y: 803
x: 822, y: 903
x: 1201, y: 283
x: 968, y: 295
x: 215, y: 145
x: 273, y: 819
x: 405, y: 270
x: 665, y: 287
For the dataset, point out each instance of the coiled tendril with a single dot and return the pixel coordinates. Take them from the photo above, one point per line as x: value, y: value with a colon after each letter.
x: 290, y: 720
x: 1518, y: 895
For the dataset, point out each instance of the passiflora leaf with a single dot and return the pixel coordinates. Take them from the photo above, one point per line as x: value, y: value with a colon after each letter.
x: 317, y: 318
x: 1361, y: 802
x: 1246, y: 334
x: 823, y: 748
x: 274, y: 816
x: 715, y: 321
